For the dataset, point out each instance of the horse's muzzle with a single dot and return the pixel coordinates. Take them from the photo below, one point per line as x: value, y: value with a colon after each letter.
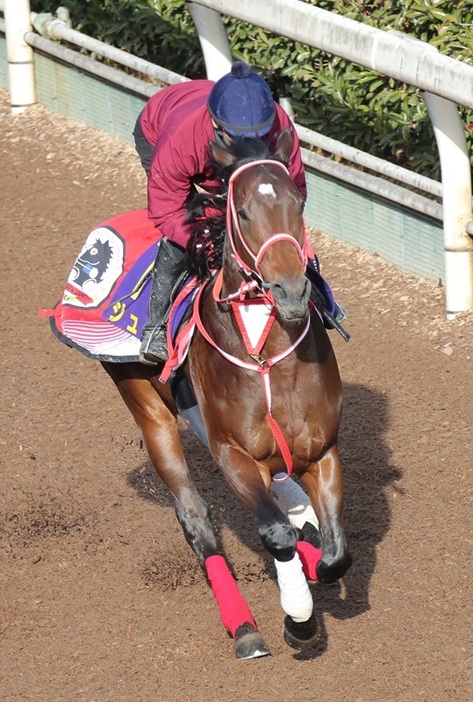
x: 291, y: 298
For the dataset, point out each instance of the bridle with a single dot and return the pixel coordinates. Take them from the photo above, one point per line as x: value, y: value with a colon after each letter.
x: 252, y: 276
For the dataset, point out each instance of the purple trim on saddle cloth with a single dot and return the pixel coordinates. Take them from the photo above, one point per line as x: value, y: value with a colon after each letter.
x: 128, y: 306
x: 181, y: 306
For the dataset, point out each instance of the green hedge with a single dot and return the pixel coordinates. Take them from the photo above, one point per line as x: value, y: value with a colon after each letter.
x: 340, y: 99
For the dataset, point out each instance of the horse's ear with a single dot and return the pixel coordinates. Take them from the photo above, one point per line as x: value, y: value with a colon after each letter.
x: 220, y: 155
x: 284, y: 145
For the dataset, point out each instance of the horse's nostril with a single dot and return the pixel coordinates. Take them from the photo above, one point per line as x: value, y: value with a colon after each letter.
x: 306, y: 292
x: 280, y: 293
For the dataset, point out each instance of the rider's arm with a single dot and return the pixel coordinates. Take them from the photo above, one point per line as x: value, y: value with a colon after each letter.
x: 169, y: 184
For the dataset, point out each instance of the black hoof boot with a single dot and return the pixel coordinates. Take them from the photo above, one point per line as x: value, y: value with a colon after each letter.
x: 301, y: 635
x: 249, y: 643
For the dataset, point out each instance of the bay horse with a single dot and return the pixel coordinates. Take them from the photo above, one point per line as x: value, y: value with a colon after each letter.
x: 270, y: 409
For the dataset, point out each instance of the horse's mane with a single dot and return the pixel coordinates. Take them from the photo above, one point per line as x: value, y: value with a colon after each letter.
x: 206, y: 212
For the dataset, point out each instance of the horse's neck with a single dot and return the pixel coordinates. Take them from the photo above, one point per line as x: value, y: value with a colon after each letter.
x: 232, y: 277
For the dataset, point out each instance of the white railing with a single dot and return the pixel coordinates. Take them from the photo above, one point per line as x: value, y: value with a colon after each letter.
x: 390, y: 53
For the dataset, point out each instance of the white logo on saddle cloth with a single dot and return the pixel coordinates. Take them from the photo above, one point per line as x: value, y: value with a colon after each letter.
x: 255, y: 319
x: 96, y: 269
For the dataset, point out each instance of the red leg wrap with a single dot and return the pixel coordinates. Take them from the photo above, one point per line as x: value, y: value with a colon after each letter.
x: 310, y: 556
x: 234, y: 611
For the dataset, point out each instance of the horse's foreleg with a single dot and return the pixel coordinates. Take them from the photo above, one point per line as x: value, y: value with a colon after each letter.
x: 296, y: 504
x: 280, y: 540
x: 324, y: 484
x: 234, y: 611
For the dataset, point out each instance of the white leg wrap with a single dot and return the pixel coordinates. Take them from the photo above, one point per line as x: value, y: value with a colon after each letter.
x: 293, y: 501
x: 296, y: 599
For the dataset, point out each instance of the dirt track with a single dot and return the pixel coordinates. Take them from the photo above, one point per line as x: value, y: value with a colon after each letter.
x: 102, y: 600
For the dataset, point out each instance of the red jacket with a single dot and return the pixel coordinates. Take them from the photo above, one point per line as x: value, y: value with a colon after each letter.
x: 176, y: 121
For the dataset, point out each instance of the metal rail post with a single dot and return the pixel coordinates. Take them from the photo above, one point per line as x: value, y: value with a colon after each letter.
x: 213, y: 40
x: 20, y: 55
x: 457, y: 211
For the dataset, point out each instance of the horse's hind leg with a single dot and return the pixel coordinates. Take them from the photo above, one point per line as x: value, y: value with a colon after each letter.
x: 157, y: 421
x: 159, y: 428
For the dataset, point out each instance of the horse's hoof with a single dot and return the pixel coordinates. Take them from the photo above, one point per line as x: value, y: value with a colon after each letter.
x: 301, y: 635
x: 328, y: 574
x: 249, y: 643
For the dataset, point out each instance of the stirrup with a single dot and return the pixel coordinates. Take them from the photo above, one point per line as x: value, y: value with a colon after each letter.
x: 153, y: 350
x: 149, y: 359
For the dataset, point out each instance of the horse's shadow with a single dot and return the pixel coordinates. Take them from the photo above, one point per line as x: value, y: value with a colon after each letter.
x: 368, y: 473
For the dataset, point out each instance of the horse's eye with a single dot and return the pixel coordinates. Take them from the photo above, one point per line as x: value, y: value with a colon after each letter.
x: 242, y: 213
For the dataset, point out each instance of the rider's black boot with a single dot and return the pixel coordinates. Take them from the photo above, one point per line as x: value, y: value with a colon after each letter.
x: 166, y: 276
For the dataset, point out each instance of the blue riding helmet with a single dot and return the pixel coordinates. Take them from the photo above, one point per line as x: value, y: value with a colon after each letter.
x: 241, y: 103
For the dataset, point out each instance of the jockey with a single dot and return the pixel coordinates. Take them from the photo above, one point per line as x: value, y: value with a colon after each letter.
x: 172, y: 135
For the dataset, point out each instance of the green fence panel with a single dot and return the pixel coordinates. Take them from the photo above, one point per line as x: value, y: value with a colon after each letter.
x: 89, y: 99
x: 404, y: 237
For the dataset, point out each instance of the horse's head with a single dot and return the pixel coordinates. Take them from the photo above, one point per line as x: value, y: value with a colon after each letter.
x: 265, y: 228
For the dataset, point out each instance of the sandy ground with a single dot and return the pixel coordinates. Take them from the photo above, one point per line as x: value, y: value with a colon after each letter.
x: 101, y: 599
